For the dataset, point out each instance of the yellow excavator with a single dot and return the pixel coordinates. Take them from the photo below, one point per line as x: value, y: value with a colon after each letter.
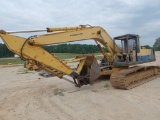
x: 120, y: 63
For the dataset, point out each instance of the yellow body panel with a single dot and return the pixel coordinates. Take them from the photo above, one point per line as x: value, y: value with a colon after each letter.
x: 144, y: 52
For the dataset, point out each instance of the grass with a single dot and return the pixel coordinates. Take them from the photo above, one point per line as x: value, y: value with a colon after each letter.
x: 7, y: 61
x: 94, y: 90
x: 58, y: 91
x: 61, y: 56
x: 23, y: 71
x: 106, y: 85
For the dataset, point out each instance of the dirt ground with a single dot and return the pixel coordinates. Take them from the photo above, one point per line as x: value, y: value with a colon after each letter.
x: 27, y: 96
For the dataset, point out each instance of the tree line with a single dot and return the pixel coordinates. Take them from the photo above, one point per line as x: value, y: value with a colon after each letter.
x: 73, y: 48
x: 61, y: 48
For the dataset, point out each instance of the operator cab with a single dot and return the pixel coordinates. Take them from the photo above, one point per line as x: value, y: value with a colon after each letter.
x: 131, y: 53
x: 129, y: 45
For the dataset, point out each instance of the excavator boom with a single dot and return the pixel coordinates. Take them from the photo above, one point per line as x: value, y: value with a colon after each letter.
x: 50, y: 63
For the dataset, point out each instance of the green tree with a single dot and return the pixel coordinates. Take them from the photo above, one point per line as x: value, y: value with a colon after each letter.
x: 147, y: 46
x: 4, y: 52
x: 156, y: 45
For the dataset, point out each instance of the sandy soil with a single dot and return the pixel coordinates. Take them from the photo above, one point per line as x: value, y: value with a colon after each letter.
x: 27, y: 96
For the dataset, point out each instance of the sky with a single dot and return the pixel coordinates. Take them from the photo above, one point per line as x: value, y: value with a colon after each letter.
x: 117, y: 17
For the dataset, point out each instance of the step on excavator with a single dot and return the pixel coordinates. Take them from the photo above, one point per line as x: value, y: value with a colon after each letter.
x: 120, y: 63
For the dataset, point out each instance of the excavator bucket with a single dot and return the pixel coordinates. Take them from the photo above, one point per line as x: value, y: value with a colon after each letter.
x: 88, y: 69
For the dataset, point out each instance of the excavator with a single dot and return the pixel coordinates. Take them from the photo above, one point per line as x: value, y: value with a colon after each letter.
x: 120, y: 62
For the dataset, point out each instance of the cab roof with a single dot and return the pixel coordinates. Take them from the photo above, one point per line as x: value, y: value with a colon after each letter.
x: 126, y: 37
